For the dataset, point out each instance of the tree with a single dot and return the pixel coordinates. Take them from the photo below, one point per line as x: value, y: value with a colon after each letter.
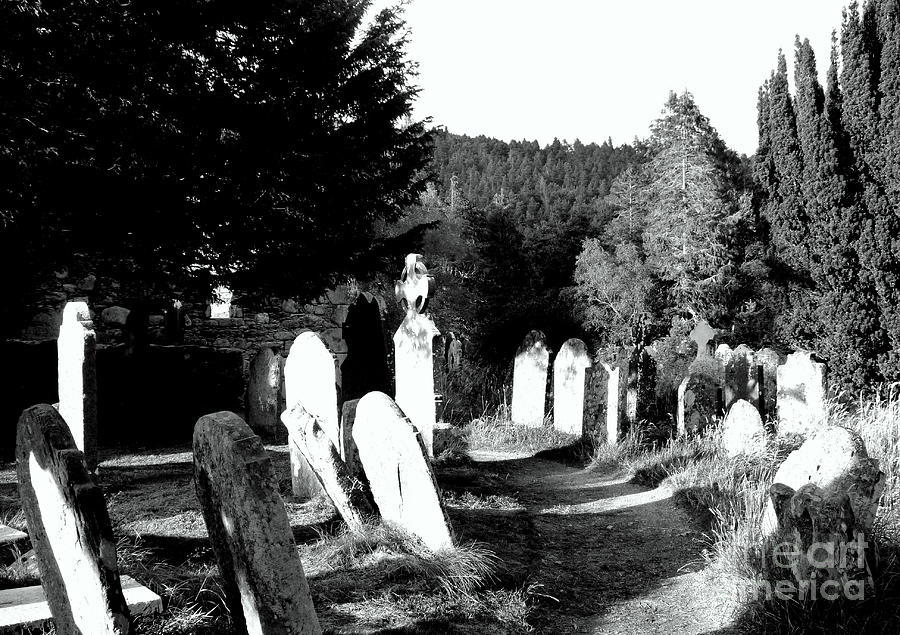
x: 160, y: 142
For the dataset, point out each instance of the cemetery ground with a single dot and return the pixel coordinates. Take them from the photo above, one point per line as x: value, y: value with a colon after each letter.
x: 647, y: 536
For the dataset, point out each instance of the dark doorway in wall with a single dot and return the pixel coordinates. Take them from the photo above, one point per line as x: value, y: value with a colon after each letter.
x: 365, y: 368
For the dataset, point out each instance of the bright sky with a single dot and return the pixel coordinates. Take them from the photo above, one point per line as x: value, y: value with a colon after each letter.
x: 592, y: 69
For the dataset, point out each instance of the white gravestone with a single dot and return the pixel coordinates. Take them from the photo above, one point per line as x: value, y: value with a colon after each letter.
x: 530, y: 380
x: 77, y: 378
x: 569, y: 371
x: 413, y: 349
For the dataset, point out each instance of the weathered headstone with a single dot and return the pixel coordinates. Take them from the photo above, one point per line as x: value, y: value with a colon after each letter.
x: 349, y: 495
x: 702, y: 334
x: 801, y: 394
x: 616, y: 403
x: 530, y: 380
x: 69, y: 528
x: 739, y: 374
x: 400, y: 477
x: 263, y: 391
x: 265, y: 587
x: 454, y: 353
x: 835, y: 460
x: 769, y: 359
x: 697, y: 405
x: 569, y: 374
x: 742, y: 430
x: 309, y: 379
x: 365, y: 368
x: 77, y: 368
x: 413, y: 349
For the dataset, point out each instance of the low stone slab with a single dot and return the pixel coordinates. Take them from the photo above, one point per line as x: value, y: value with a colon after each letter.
x: 26, y: 607
x: 265, y: 587
x: 349, y: 495
x: 69, y: 527
x: 396, y: 464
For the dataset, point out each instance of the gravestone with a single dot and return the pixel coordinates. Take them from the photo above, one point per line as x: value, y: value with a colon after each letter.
x: 739, y: 374
x: 569, y: 374
x: 616, y: 402
x: 413, y: 349
x: 801, y: 394
x: 175, y: 323
x: 742, y: 430
x: 697, y: 403
x: 454, y: 353
x: 263, y: 392
x: 365, y: 368
x: 309, y: 379
x: 77, y: 373
x: 530, y: 380
x: 702, y: 334
x: 265, y: 587
x: 835, y: 460
x: 349, y: 495
x: 395, y: 462
x: 69, y: 528
x: 769, y: 360
x: 351, y: 453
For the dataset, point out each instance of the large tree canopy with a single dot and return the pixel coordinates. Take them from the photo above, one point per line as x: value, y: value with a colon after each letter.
x: 161, y: 140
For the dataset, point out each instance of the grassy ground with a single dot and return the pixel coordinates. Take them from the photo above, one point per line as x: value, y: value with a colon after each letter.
x: 382, y: 581
x: 731, y: 494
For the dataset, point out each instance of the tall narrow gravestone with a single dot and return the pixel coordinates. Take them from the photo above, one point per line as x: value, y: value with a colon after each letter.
x: 400, y: 477
x: 801, y: 394
x: 309, y: 379
x: 69, y: 528
x: 265, y: 586
x: 768, y: 360
x: 77, y: 368
x: 263, y: 392
x: 569, y: 374
x: 413, y: 349
x: 530, y: 380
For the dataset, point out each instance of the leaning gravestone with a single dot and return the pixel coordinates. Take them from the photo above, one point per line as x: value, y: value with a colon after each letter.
x: 801, y: 394
x: 265, y: 587
x: 263, y: 393
x: 569, y: 374
x: 400, y: 477
x: 413, y: 349
x: 768, y: 360
x: 349, y: 495
x: 530, y: 380
x: 77, y: 368
x: 69, y: 527
x: 742, y: 430
x: 309, y: 379
x: 835, y: 460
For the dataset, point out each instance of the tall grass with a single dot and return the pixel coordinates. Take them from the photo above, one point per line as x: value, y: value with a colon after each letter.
x: 496, y: 432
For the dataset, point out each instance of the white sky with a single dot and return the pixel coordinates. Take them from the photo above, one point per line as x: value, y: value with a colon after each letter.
x: 592, y: 69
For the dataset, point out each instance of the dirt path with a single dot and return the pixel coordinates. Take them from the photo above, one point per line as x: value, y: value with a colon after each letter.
x: 609, y: 556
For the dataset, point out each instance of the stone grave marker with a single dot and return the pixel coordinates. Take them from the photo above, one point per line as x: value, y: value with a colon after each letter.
x: 309, y: 379
x: 702, y: 334
x: 395, y: 462
x: 414, y: 349
x: 349, y: 495
x: 77, y: 372
x: 697, y: 403
x: 69, y: 528
x: 530, y: 380
x: 569, y: 374
x: 768, y: 360
x: 739, y: 375
x: 263, y: 392
x: 454, y: 353
x: 742, y: 430
x: 265, y: 587
x: 801, y: 394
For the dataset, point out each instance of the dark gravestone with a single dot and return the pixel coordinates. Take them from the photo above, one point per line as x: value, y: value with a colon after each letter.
x: 263, y: 392
x: 265, y: 587
x: 69, y: 528
x: 28, y: 377
x: 365, y: 369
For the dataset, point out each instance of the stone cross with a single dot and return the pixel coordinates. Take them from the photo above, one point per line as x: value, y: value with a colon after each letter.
x: 701, y: 334
x: 77, y: 378
x: 413, y: 349
x: 569, y: 374
x: 69, y: 527
x: 265, y: 587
